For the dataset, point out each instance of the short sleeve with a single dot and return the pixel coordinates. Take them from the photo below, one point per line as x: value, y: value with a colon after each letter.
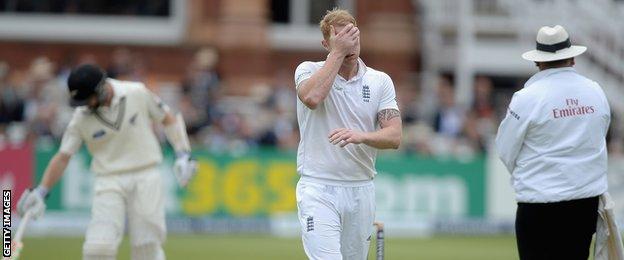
x: 72, y: 140
x: 388, y: 95
x: 303, y: 72
x: 157, y: 109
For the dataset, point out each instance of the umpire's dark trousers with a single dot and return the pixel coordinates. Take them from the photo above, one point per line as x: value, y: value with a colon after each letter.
x: 558, y: 230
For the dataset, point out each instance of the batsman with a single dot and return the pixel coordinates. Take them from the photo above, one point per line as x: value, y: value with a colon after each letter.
x: 114, y: 119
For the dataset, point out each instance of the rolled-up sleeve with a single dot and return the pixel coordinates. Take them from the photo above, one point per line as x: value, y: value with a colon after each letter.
x: 513, y: 129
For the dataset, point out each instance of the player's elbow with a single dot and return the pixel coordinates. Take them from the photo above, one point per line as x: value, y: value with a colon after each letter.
x: 60, y: 160
x: 396, y: 137
x: 310, y: 101
x: 169, y: 119
x: 395, y: 142
x: 62, y: 157
x: 392, y: 142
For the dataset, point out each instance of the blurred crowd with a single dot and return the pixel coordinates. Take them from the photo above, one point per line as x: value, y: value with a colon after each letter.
x: 463, y: 131
x: 34, y: 105
x: 452, y: 129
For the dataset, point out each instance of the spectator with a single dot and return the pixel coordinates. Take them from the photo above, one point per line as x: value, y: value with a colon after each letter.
x: 201, y: 84
x: 417, y: 133
x: 409, y: 102
x: 194, y: 118
x: 121, y: 63
x: 280, y: 107
x: 11, y: 104
x: 283, y: 97
x: 46, y: 109
x: 480, y: 124
x: 449, y: 118
x: 69, y: 62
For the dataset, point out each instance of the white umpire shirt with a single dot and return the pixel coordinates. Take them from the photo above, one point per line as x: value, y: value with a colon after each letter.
x: 120, y: 137
x: 552, y: 139
x: 352, y: 104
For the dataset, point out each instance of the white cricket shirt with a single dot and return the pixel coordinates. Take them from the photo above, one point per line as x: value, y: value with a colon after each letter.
x: 120, y: 137
x: 553, y: 138
x: 350, y: 104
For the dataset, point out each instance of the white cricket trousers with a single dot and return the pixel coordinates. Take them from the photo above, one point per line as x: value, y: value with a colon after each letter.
x: 336, y: 219
x: 137, y: 195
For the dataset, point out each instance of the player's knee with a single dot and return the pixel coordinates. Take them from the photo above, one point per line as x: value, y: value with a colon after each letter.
x: 99, y: 251
x: 149, y: 251
x: 321, y: 247
x: 147, y: 236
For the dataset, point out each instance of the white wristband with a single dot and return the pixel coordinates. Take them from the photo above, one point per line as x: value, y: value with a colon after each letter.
x: 43, y: 191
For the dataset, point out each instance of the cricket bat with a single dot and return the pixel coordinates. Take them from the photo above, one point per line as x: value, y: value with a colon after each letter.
x: 18, y: 245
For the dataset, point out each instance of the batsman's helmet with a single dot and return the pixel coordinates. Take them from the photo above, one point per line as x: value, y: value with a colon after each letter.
x: 84, y: 82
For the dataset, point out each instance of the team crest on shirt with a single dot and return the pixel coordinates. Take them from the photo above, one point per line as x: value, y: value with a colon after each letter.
x: 99, y: 134
x: 310, y: 224
x: 133, y: 119
x: 366, y: 93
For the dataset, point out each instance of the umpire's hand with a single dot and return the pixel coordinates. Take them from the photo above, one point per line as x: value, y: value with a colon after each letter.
x: 33, y: 201
x: 184, y: 169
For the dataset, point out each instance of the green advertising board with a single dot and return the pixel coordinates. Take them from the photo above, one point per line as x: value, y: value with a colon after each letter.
x: 263, y: 183
x: 431, y: 187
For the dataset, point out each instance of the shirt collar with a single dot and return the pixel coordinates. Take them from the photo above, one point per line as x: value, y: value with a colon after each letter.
x: 361, y: 71
x: 545, y: 73
x: 117, y: 92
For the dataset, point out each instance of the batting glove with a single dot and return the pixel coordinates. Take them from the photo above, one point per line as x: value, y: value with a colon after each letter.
x: 33, y: 201
x: 184, y: 169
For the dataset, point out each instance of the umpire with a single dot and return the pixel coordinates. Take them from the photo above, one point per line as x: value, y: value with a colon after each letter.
x: 552, y: 141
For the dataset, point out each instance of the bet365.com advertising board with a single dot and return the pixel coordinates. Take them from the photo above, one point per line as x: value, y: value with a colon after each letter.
x: 261, y: 184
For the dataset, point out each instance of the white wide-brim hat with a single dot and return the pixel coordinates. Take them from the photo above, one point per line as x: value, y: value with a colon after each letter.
x: 553, y: 43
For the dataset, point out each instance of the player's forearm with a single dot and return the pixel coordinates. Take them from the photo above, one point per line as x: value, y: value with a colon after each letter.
x: 385, y: 138
x: 175, y: 131
x: 315, y: 89
x: 169, y: 119
x: 508, y: 151
x: 55, y: 170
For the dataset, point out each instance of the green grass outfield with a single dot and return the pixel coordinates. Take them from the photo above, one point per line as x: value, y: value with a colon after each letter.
x: 190, y: 247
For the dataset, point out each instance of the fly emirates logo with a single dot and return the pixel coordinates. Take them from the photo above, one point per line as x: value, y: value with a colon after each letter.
x: 572, y: 109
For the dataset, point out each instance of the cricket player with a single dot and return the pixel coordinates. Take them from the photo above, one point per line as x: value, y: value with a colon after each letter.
x: 114, y: 119
x: 552, y: 141
x: 346, y: 111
